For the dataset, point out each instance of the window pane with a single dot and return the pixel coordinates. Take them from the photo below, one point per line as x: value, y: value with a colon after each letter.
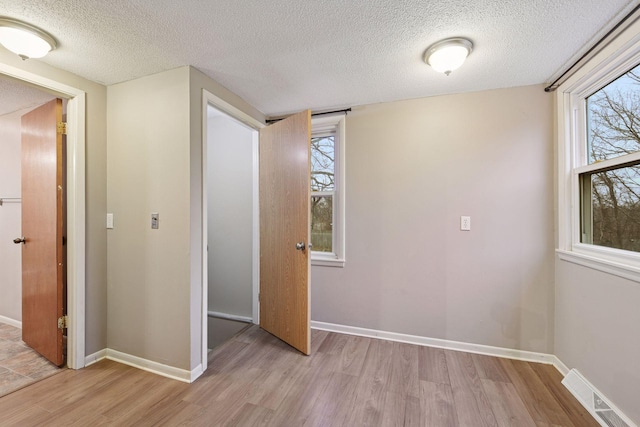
x: 322, y: 163
x: 613, y: 118
x: 614, y: 220
x: 322, y: 223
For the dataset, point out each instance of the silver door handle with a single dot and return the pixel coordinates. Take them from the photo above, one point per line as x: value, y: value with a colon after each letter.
x: 20, y: 240
x: 300, y: 246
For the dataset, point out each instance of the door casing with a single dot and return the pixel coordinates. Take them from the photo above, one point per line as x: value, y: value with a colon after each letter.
x: 76, y: 202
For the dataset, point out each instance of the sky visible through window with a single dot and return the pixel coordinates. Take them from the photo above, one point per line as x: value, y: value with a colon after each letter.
x: 613, y: 130
x: 322, y: 180
x: 613, y: 115
x: 322, y: 163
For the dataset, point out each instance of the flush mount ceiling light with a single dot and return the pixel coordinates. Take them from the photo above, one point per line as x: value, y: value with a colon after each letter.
x: 25, y: 40
x: 448, y: 55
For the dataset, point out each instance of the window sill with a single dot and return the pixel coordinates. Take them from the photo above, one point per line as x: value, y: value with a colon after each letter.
x: 327, y: 262
x: 615, y: 268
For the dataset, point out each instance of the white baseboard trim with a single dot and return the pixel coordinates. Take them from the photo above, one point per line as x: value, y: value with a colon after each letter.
x: 144, y: 364
x: 195, y: 373
x: 95, y: 357
x: 11, y: 322
x: 149, y: 366
x: 508, y: 353
x: 226, y: 316
x: 561, y: 367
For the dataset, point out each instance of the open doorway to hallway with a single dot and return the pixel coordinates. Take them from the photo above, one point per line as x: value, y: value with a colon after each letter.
x: 19, y: 364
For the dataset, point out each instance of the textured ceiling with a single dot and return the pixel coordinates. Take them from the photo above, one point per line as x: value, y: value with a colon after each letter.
x: 283, y: 56
x: 15, y: 96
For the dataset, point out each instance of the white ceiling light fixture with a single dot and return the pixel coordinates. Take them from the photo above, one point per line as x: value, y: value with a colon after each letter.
x: 448, y: 55
x: 25, y: 40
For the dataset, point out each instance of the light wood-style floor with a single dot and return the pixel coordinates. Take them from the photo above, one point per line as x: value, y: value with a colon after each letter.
x: 255, y: 379
x: 19, y: 364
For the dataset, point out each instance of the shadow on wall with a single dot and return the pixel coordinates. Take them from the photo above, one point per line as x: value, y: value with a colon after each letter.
x: 511, y: 319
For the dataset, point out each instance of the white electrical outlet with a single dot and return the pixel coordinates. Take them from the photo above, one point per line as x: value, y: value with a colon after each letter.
x: 465, y: 223
x: 109, y: 220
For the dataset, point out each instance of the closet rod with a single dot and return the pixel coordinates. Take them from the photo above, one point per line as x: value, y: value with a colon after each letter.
x: 9, y: 200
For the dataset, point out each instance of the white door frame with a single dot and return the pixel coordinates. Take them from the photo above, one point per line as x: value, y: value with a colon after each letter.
x: 75, y: 208
x: 209, y: 99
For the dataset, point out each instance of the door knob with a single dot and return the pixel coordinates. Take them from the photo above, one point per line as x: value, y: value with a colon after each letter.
x: 299, y: 246
x: 20, y: 240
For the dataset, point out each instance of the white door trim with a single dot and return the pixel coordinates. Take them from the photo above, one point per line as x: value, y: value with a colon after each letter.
x: 75, y: 208
x: 209, y: 99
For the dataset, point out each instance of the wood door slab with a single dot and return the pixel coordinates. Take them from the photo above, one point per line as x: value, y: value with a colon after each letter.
x: 284, y: 221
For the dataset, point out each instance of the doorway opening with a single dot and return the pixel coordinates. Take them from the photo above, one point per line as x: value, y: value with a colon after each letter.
x: 30, y: 341
x: 229, y: 186
x: 75, y: 204
x: 230, y: 223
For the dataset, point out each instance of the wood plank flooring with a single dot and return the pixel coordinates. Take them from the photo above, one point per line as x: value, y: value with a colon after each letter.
x: 255, y: 379
x: 20, y: 365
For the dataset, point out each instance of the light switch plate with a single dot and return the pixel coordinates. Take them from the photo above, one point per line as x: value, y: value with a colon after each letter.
x: 465, y: 223
x: 155, y: 220
x: 109, y: 220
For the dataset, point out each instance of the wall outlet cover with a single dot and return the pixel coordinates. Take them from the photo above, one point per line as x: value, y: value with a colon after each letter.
x: 465, y: 223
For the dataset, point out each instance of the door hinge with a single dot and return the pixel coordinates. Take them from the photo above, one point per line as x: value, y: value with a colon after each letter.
x: 62, y: 128
x: 63, y: 322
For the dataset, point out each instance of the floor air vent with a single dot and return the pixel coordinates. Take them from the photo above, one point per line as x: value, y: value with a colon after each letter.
x: 603, y: 411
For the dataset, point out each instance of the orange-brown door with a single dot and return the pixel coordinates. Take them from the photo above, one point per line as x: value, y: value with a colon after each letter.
x: 284, y: 230
x: 42, y: 230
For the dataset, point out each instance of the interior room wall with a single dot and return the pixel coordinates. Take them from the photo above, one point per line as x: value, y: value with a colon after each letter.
x: 596, y: 331
x: 230, y: 216
x: 148, y: 171
x: 96, y: 194
x: 155, y: 128
x: 10, y: 217
x: 412, y: 169
x: 597, y: 313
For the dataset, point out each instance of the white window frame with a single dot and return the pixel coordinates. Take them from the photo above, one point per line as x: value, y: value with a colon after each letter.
x: 322, y: 126
x: 618, y: 57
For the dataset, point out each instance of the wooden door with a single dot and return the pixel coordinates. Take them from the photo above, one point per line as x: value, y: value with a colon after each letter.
x: 284, y: 223
x: 43, y: 260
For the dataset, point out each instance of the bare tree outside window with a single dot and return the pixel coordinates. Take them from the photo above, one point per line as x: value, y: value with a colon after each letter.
x: 612, y: 215
x: 322, y: 163
x: 322, y: 192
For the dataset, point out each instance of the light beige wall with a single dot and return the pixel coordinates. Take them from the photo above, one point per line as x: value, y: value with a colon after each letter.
x: 197, y: 82
x: 230, y: 217
x: 10, y: 219
x: 148, y: 171
x: 155, y: 165
x: 596, y: 331
x: 96, y: 194
x: 412, y: 169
